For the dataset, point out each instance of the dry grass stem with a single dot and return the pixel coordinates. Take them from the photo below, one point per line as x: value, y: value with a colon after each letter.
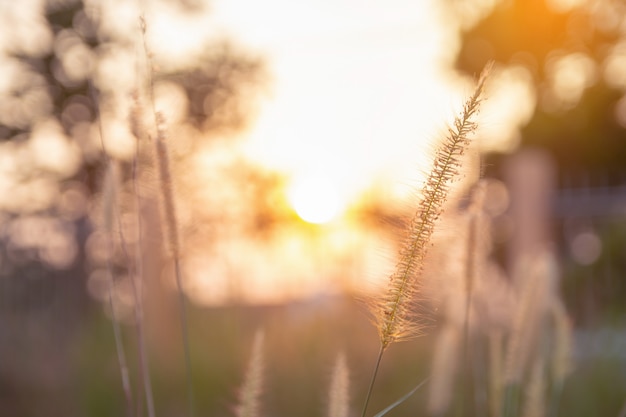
x: 167, y: 192
x: 444, y: 369
x: 562, y: 344
x: 137, y: 270
x: 539, y: 275
x: 495, y: 385
x: 535, y: 404
x: 109, y: 197
x: 252, y: 388
x: 110, y: 213
x: 169, y: 214
x: 339, y: 392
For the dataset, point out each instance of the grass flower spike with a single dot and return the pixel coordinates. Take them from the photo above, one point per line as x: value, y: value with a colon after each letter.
x: 395, y: 319
x: 393, y: 313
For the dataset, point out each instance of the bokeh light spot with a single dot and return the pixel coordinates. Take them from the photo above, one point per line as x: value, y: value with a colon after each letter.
x: 586, y: 248
x: 315, y: 198
x: 569, y: 76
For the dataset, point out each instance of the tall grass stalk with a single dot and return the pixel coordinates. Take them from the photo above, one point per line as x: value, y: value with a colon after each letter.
x: 395, y: 318
x: 339, y: 392
x: 169, y: 214
x: 109, y: 193
x: 535, y: 401
x: 561, y: 357
x: 472, y: 256
x: 495, y: 372
x: 252, y: 387
x: 173, y: 240
x: 444, y: 367
x: 110, y: 213
x: 537, y: 276
x: 137, y: 270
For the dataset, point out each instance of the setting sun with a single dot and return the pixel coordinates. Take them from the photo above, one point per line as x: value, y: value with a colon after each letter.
x: 315, y: 198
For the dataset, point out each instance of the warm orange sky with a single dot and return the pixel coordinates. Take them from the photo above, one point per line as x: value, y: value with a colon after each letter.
x: 356, y: 87
x: 359, y: 90
x: 359, y: 93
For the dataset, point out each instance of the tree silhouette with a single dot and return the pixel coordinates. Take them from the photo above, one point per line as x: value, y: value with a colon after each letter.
x: 583, y: 133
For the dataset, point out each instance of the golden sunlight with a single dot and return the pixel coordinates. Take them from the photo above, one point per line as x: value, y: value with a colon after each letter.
x: 315, y: 198
x: 351, y: 85
x: 356, y: 97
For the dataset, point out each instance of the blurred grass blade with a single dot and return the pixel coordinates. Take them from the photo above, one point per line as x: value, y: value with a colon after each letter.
x: 403, y: 399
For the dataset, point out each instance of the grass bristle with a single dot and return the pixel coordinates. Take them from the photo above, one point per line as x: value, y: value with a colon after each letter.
x: 394, y: 313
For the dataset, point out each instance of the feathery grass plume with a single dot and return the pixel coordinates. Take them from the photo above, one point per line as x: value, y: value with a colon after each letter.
x: 394, y: 317
x: 393, y: 313
x: 252, y: 387
x: 458, y: 265
x: 444, y: 368
x: 339, y: 392
x: 464, y: 277
x: 169, y: 213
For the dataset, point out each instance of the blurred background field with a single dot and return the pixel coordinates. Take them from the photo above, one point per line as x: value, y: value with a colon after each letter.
x: 299, y: 135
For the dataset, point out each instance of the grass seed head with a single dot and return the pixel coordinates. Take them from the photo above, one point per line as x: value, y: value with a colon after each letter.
x: 394, y: 313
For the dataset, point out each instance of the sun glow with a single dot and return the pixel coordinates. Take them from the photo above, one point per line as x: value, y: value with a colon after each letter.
x: 315, y: 198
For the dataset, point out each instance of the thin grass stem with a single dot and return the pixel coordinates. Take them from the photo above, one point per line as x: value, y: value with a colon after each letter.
x: 185, y: 334
x: 119, y: 347
x: 109, y: 193
x: 137, y: 287
x: 495, y: 374
x: 466, y: 393
x: 169, y: 208
x: 555, y: 400
x: 511, y: 400
x: 402, y: 399
x: 470, y: 276
x: 374, y: 374
x: 393, y: 313
x: 252, y: 387
x: 339, y: 392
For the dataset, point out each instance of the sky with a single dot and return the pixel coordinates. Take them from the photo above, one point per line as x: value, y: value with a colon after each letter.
x: 360, y: 89
x: 357, y: 89
x: 359, y: 93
